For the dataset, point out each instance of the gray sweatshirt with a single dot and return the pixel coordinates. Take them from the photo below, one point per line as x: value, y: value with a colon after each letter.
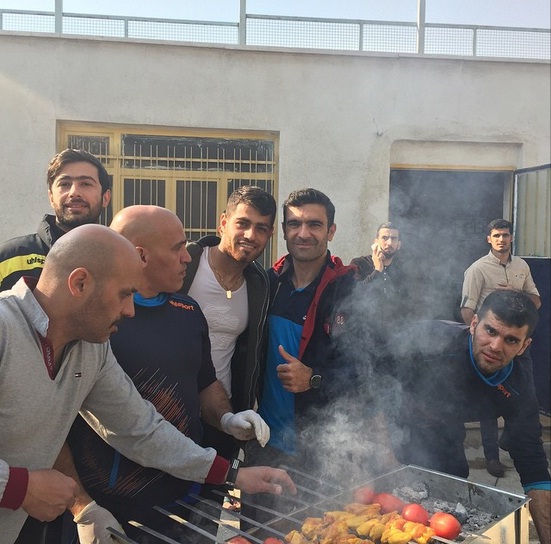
x: 36, y: 412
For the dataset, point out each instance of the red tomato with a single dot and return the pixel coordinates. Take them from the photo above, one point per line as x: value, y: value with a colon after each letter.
x: 273, y: 540
x: 388, y: 502
x: 445, y: 525
x: 238, y: 540
x: 415, y: 512
x: 364, y: 495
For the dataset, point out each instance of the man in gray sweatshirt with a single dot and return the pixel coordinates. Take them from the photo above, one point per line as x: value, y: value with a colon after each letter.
x: 55, y: 360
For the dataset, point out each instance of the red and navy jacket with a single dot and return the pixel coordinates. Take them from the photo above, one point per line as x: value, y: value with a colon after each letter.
x: 325, y: 320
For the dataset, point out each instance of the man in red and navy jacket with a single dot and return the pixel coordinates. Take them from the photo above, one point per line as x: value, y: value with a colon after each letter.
x: 302, y: 371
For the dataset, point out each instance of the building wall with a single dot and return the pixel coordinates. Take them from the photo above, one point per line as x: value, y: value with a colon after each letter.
x: 344, y: 118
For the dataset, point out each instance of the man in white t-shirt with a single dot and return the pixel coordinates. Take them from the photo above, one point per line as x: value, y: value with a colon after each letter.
x: 232, y: 290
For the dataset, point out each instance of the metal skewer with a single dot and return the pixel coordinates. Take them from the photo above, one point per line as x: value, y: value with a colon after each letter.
x: 218, y: 521
x: 238, y: 515
x: 444, y: 540
x: 311, y: 492
x: 120, y: 536
x: 263, y: 508
x: 154, y: 533
x: 310, y: 477
x: 181, y: 521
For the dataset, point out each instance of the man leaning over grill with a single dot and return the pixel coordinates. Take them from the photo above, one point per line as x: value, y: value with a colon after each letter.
x: 62, y: 325
x: 449, y: 374
x: 499, y: 269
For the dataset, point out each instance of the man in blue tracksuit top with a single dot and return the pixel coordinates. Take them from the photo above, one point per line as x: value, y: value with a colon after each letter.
x: 302, y: 370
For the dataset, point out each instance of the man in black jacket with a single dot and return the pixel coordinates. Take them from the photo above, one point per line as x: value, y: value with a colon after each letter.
x: 232, y: 289
x: 383, y: 274
x: 78, y: 190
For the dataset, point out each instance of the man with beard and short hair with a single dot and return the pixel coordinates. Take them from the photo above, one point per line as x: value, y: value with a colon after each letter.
x: 499, y: 269
x: 383, y: 277
x: 78, y: 190
x: 385, y: 247
x: 232, y: 289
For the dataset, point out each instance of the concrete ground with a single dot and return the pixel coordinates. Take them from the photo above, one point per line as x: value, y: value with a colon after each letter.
x: 475, y: 455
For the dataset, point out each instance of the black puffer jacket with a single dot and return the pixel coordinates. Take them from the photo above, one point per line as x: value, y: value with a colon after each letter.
x: 25, y: 255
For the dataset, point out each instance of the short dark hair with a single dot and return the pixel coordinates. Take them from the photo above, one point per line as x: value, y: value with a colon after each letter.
x: 77, y: 155
x: 514, y: 308
x: 262, y: 201
x: 388, y: 225
x: 301, y: 197
x: 499, y: 224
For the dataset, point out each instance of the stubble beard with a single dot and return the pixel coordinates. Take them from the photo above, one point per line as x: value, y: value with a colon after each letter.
x: 68, y: 221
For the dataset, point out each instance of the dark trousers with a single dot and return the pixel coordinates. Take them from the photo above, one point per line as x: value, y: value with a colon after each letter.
x: 489, y: 436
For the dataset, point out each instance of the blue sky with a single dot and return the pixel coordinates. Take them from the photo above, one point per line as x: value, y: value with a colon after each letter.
x: 518, y: 13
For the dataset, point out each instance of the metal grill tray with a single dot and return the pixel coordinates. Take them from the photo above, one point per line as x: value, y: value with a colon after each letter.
x: 510, y: 526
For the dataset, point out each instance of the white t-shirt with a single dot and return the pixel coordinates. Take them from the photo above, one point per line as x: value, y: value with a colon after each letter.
x: 227, y: 317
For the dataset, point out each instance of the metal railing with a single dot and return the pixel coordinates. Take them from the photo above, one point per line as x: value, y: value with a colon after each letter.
x: 299, y: 32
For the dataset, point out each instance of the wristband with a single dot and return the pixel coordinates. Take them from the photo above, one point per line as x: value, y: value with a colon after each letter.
x: 234, y: 468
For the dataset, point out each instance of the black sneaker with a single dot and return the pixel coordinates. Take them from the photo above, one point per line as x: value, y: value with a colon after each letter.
x: 495, y: 467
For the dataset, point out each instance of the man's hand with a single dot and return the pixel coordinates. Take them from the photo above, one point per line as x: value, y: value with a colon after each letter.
x: 49, y: 494
x: 246, y: 426
x: 293, y: 375
x: 92, y: 523
x: 378, y: 257
x: 264, y: 480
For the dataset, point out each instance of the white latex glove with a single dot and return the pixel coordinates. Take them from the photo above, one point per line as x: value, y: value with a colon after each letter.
x: 92, y: 523
x: 246, y: 426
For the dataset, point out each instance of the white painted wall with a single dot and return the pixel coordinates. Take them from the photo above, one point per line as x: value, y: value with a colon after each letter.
x: 343, y: 118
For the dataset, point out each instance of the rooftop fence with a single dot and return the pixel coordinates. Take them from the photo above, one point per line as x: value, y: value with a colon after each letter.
x: 298, y: 32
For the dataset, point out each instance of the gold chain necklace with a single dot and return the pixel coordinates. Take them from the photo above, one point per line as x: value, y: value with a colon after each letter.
x: 220, y: 280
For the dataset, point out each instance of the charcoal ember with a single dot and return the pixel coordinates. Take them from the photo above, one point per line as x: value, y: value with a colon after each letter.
x: 461, y: 513
x: 439, y: 505
x: 416, y: 492
x: 477, y: 520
